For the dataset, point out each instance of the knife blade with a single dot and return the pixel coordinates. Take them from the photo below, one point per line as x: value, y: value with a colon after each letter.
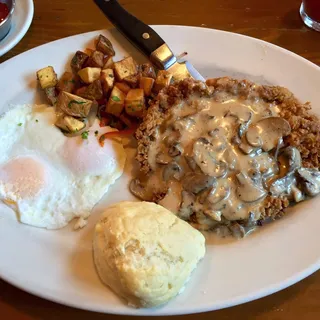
x: 147, y: 40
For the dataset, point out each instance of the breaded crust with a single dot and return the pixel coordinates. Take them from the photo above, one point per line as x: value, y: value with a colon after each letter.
x: 305, y: 133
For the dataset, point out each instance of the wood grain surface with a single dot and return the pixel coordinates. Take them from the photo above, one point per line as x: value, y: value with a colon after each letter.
x: 276, y: 21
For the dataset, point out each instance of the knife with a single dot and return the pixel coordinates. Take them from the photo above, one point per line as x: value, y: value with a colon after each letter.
x: 147, y: 40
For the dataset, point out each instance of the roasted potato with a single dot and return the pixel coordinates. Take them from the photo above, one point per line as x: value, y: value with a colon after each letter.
x: 146, y: 84
x: 134, y: 103
x: 108, y: 63
x: 104, y: 45
x: 88, y: 75
x: 78, y: 61
x: 163, y: 80
x: 69, y: 124
x: 73, y: 105
x: 92, y: 92
x: 88, y: 51
x: 147, y: 70
x: 107, y: 80
x: 51, y: 94
x: 115, y: 104
x: 95, y: 60
x: 47, y: 77
x: 125, y: 68
x: 67, y: 82
x: 132, y: 81
x: 124, y: 87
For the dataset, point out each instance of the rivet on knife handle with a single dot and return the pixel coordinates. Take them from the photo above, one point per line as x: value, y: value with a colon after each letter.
x: 140, y: 34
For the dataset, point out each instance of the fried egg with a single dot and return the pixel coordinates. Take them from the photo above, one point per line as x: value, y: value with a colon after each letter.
x: 48, y: 178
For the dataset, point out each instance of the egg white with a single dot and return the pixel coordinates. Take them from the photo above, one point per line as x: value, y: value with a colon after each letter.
x: 48, y: 178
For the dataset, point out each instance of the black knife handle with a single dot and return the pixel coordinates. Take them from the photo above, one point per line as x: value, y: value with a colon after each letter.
x: 140, y: 34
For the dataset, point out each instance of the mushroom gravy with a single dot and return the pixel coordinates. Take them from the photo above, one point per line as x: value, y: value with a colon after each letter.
x: 201, y: 138
x: 214, y: 159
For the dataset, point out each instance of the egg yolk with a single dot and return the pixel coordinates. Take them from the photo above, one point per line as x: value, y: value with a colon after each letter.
x: 23, y: 177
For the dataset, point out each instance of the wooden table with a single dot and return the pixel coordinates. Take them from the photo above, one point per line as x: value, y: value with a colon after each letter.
x: 275, y: 21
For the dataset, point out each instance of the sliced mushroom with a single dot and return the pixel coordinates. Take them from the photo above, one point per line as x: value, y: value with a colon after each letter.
x: 191, y: 162
x: 215, y: 215
x: 241, y: 113
x: 230, y: 158
x: 139, y: 190
x: 172, y: 170
x: 246, y: 148
x: 235, y: 140
x: 186, y: 207
x: 267, y: 132
x: 204, y: 157
x: 310, y: 181
x: 243, y: 127
x: 218, y: 144
x: 203, y: 196
x: 162, y: 158
x: 247, y: 190
x: 221, y: 194
x: 237, y: 230
x: 175, y: 149
x: 207, y: 222
x: 171, y: 138
x: 255, y: 176
x: 279, y: 145
x: 296, y: 194
x: 251, y: 222
x: 282, y: 185
x: 290, y: 159
x: 196, y: 182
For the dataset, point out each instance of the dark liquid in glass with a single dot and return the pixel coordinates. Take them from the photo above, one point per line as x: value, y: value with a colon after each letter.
x: 312, y: 9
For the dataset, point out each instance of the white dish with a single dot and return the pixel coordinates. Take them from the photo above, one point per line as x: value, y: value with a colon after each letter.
x: 57, y: 265
x: 21, y: 20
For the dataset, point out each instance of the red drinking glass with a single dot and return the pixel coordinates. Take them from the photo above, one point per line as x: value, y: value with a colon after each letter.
x: 310, y: 13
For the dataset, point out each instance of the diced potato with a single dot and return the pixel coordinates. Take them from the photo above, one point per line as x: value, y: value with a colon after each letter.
x: 88, y: 51
x: 51, y: 95
x: 88, y: 75
x: 78, y: 61
x: 67, y: 82
x: 163, y: 80
x: 104, y: 45
x: 123, y: 87
x: 125, y: 68
x: 108, y: 63
x: 132, y: 81
x: 146, y: 84
x: 69, y: 124
x: 47, y: 77
x: 134, y: 103
x: 92, y: 92
x: 74, y: 105
x: 107, y: 80
x: 95, y: 60
x: 147, y: 70
x: 115, y: 103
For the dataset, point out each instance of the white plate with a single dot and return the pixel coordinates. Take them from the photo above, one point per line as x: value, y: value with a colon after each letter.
x: 21, y: 20
x: 57, y: 265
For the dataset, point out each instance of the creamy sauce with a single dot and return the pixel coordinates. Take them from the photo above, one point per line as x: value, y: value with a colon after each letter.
x: 207, y: 132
